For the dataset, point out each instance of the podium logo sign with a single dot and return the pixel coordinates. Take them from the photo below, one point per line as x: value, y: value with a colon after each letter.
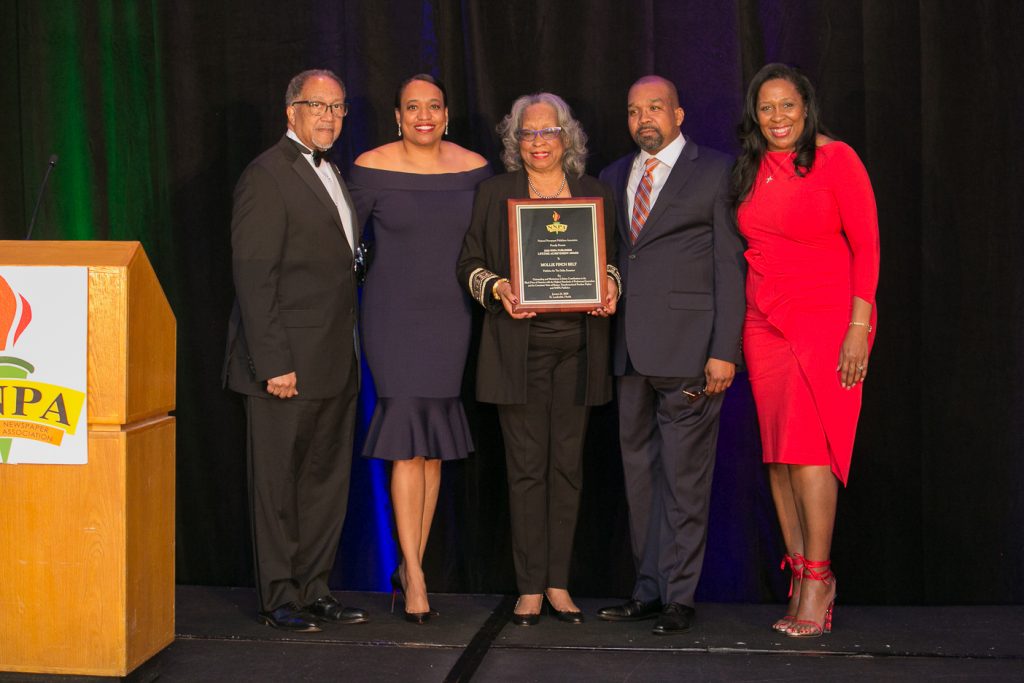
x: 43, y: 332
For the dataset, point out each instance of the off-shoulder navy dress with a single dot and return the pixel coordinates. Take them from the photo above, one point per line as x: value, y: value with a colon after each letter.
x: 415, y: 314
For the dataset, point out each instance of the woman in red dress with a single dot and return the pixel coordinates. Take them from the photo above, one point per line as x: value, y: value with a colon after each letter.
x: 807, y: 211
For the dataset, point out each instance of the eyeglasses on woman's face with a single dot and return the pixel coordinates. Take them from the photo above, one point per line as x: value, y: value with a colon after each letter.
x: 528, y: 135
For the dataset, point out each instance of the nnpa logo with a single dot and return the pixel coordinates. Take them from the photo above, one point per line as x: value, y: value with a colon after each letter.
x: 30, y: 410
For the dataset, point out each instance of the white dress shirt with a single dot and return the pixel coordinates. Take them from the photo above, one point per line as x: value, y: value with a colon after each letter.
x: 667, y: 158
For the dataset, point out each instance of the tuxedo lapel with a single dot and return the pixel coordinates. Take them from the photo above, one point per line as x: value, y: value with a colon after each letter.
x: 681, y: 172
x: 308, y: 175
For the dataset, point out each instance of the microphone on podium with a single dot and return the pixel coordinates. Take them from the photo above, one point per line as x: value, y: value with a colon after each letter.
x: 39, y: 196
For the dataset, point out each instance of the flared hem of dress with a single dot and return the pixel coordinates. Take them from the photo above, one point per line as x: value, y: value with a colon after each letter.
x: 403, y: 428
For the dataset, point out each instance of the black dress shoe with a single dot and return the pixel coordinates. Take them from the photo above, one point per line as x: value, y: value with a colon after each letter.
x: 525, y: 619
x: 289, y: 617
x: 329, y: 609
x: 675, y: 618
x: 569, y: 616
x: 633, y: 610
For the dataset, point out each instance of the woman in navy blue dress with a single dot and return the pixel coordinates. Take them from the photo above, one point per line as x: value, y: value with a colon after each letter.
x: 418, y: 194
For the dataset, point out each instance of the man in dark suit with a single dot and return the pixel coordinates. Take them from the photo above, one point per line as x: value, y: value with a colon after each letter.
x: 676, y: 348
x: 292, y: 353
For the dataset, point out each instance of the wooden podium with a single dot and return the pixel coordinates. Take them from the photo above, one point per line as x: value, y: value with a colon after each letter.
x: 87, y: 551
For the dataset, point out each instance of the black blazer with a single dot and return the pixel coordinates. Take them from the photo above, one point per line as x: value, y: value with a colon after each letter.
x: 501, y: 362
x: 683, y: 280
x: 295, y: 305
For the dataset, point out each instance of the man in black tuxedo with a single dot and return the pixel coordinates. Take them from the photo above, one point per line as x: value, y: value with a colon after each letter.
x: 292, y: 353
x: 677, y: 344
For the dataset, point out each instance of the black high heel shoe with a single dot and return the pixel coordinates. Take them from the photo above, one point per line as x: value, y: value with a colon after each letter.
x: 525, y: 618
x: 396, y: 588
x: 569, y: 616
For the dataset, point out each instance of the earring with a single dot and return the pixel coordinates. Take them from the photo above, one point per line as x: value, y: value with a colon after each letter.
x: 399, y: 130
x: 446, y: 128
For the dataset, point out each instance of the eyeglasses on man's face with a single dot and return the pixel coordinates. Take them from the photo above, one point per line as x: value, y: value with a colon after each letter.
x: 527, y: 135
x: 317, y: 108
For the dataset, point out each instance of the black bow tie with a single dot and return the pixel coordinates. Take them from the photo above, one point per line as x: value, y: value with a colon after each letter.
x: 318, y: 155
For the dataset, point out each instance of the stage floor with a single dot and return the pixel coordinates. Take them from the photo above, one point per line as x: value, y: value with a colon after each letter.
x: 218, y: 639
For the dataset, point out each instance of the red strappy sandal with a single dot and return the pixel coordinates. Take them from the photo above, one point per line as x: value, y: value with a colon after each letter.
x: 825, y: 576
x: 796, y: 570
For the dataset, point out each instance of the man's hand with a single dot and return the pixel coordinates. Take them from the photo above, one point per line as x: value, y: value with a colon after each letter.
x: 283, y: 386
x: 718, y: 375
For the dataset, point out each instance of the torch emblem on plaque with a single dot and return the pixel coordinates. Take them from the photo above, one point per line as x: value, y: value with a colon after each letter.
x: 556, y: 226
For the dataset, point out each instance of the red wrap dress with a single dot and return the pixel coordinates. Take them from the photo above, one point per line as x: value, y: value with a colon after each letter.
x: 812, y: 246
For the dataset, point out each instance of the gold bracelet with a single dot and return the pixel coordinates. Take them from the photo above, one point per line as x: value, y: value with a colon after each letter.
x: 867, y: 325
x: 494, y: 288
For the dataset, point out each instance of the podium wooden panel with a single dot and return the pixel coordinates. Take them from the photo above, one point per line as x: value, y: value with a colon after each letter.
x: 87, y: 567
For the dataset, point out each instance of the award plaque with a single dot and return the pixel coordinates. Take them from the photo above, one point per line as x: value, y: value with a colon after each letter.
x: 557, y: 254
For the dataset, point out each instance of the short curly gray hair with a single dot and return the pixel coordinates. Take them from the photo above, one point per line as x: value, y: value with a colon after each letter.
x: 575, y: 140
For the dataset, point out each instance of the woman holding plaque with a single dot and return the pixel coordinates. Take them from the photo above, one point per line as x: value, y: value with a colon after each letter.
x: 807, y: 210
x: 417, y: 193
x: 542, y: 370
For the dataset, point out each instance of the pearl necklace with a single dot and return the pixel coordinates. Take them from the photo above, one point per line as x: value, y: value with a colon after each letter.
x: 537, y: 192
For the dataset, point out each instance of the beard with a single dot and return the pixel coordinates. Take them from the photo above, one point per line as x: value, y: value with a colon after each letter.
x: 649, y: 143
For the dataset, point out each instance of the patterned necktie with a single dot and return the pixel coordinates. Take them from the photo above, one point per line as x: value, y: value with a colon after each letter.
x: 642, y: 200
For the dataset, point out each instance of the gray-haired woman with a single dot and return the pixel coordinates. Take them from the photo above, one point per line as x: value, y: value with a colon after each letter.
x: 543, y: 371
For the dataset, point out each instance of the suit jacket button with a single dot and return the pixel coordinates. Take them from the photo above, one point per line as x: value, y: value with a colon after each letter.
x: 632, y: 257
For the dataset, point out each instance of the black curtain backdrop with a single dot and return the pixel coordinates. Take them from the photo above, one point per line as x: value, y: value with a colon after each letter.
x: 155, y: 109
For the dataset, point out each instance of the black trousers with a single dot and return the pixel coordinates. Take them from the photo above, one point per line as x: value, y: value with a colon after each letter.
x: 668, y: 457
x: 543, y: 455
x: 300, y: 459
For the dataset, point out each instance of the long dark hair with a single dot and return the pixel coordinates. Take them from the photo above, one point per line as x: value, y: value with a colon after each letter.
x: 752, y: 140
